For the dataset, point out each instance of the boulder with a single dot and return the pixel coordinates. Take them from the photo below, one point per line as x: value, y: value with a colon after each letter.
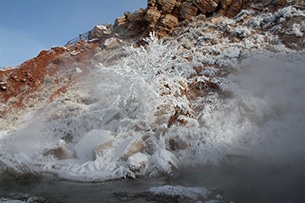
x: 120, y: 21
x: 188, y: 10
x: 152, y: 16
x: 138, y: 15
x: 206, y: 6
x: 99, y: 31
x: 169, y: 21
x: 151, y: 3
x: 167, y: 5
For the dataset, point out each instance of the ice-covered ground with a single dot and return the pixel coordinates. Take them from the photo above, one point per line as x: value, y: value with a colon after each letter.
x: 169, y: 106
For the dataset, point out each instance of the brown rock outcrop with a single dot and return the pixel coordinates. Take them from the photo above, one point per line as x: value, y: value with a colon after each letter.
x: 188, y: 10
x: 161, y: 16
x: 151, y: 3
x: 99, y: 31
x: 121, y: 20
x: 138, y: 15
x: 167, y: 5
x: 166, y: 25
x: 152, y: 15
x: 206, y: 6
x: 169, y: 21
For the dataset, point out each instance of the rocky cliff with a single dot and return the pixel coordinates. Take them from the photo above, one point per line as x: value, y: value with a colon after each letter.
x: 46, y: 76
x: 165, y: 18
x: 162, y: 16
x: 121, y: 96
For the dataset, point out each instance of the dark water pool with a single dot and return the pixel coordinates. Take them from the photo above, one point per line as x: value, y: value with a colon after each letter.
x: 241, y: 182
x: 254, y: 181
x: 54, y: 190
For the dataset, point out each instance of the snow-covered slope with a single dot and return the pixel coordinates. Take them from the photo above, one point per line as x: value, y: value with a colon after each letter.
x: 218, y: 88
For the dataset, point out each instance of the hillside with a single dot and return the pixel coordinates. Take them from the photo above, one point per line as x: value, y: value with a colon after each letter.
x: 177, y: 85
x: 167, y: 18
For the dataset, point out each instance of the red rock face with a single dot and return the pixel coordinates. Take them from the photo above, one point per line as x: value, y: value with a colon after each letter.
x: 19, y: 83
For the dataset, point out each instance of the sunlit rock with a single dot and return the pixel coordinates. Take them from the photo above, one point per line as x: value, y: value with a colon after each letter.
x: 152, y: 15
x: 167, y: 5
x: 138, y: 15
x: 206, y: 6
x: 120, y: 21
x: 169, y: 21
x: 99, y: 31
x: 151, y: 3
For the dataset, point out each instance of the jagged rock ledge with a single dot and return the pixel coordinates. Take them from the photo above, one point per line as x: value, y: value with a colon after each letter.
x: 161, y: 16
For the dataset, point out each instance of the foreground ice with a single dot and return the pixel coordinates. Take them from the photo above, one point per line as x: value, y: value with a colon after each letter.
x: 190, y: 192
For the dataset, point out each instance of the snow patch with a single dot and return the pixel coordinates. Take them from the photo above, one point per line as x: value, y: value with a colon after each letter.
x: 190, y: 192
